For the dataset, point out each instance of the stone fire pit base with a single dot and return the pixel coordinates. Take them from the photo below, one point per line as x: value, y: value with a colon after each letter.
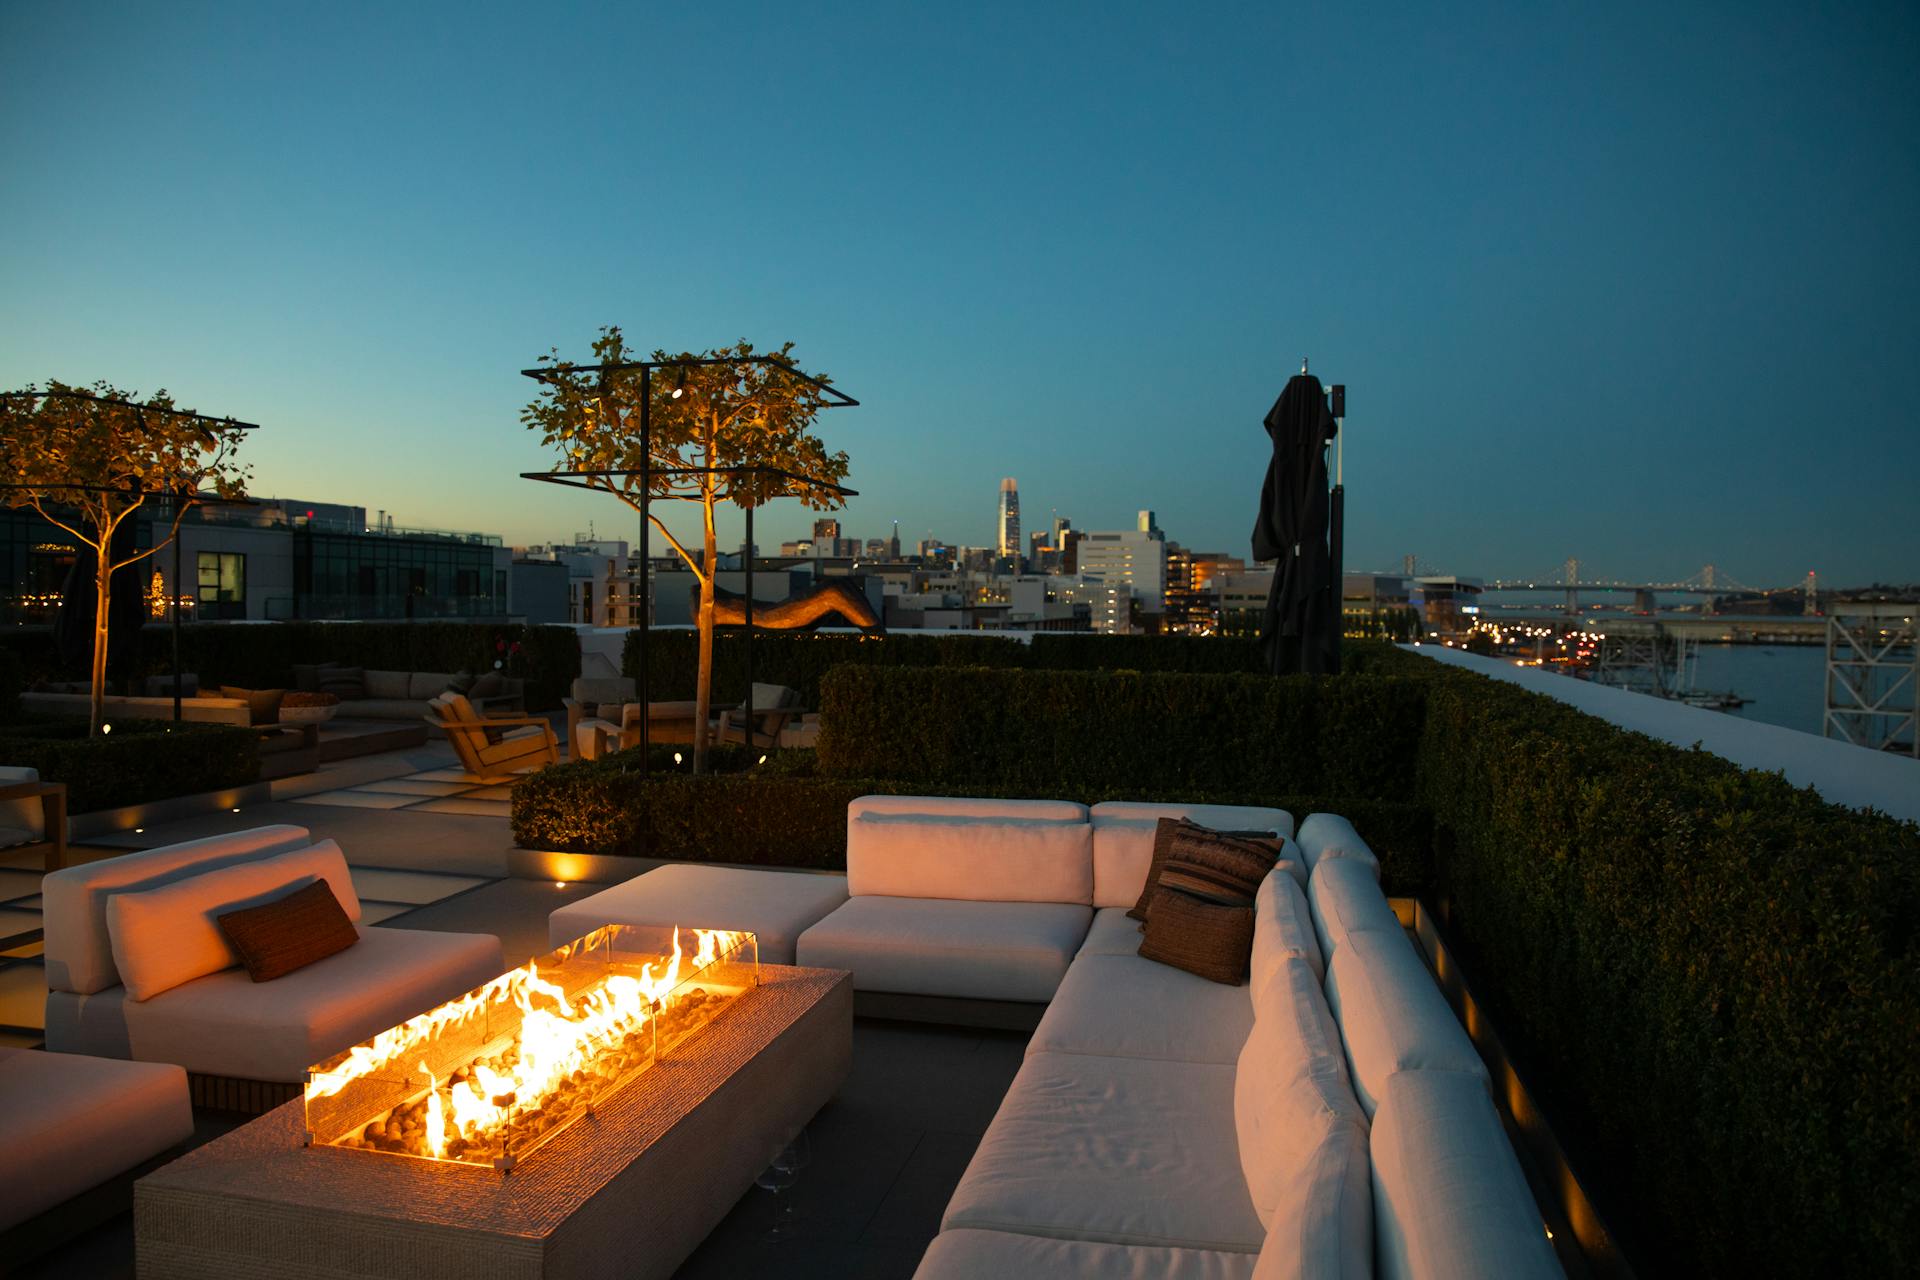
x: 630, y: 1191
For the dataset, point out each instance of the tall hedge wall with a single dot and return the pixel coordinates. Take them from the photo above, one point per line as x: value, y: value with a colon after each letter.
x: 262, y: 655
x: 1712, y: 979
x: 1088, y: 732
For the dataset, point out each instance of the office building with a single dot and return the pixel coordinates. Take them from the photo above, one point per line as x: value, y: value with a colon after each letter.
x: 1132, y: 558
x: 1008, y: 540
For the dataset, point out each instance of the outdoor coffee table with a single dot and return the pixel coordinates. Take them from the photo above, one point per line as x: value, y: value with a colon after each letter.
x: 629, y: 1191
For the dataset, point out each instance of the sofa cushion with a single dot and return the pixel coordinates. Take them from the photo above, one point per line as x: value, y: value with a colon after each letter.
x: 1322, y: 1228
x: 942, y: 947
x: 1123, y: 1006
x: 1123, y: 840
x: 425, y: 684
x: 974, y: 859
x: 79, y: 949
x: 227, y: 1024
x: 970, y: 807
x: 1210, y: 939
x: 775, y: 906
x: 291, y: 932
x: 263, y: 705
x: 389, y: 684
x: 1114, y: 933
x: 1126, y: 1150
x: 1392, y: 1016
x: 1450, y: 1200
x: 1328, y: 835
x: 1282, y: 927
x: 168, y: 935
x: 1291, y: 1088
x: 1252, y: 848
x: 970, y: 1254
x: 69, y: 1123
x: 1345, y: 898
x: 408, y: 709
x: 343, y: 682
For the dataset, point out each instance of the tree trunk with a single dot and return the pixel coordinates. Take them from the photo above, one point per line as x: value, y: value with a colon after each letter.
x: 103, y: 579
x: 703, y: 691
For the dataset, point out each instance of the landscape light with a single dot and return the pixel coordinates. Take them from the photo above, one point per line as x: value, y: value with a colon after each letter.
x: 679, y: 383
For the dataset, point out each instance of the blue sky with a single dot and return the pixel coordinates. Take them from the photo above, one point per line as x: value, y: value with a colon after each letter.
x: 1637, y: 286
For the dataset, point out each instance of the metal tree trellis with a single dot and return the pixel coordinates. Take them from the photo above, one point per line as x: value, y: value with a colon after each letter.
x: 836, y: 399
x: 180, y: 498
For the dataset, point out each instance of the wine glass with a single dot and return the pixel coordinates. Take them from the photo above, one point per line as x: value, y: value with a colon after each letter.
x: 780, y: 1174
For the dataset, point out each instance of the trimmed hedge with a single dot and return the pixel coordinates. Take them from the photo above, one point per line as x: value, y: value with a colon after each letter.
x: 1712, y: 980
x: 139, y: 761
x: 261, y: 656
x: 799, y: 660
x: 783, y: 814
x: 1086, y: 733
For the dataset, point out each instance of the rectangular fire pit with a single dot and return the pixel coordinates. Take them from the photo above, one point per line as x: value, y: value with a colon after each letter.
x: 627, y: 1183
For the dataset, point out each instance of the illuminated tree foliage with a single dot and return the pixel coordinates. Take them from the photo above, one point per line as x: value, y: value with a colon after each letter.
x: 87, y: 460
x: 707, y: 422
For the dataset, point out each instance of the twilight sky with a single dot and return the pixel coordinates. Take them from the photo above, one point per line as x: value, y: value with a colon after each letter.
x: 1637, y: 286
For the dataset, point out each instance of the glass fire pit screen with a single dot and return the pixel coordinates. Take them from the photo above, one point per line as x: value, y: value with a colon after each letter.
x: 489, y: 1077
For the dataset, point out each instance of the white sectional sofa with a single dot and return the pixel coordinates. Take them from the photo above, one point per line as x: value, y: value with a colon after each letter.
x: 136, y: 969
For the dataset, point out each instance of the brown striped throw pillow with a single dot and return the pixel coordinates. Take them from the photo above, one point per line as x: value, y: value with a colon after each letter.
x: 1253, y: 846
x: 1203, y: 938
x: 289, y: 933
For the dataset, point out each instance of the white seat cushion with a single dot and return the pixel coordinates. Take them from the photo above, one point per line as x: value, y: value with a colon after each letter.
x: 937, y: 947
x: 1392, y: 1015
x: 775, y: 906
x: 1450, y: 1200
x: 1123, y: 840
x: 227, y: 1024
x: 1127, y: 1007
x: 1282, y: 927
x: 1322, y: 1229
x: 1302, y: 1135
x: 970, y: 1254
x: 1114, y: 933
x: 593, y: 737
x: 69, y: 1123
x: 971, y: 807
x: 904, y: 855
x: 1328, y: 835
x: 79, y: 950
x: 1345, y: 898
x: 1126, y: 1150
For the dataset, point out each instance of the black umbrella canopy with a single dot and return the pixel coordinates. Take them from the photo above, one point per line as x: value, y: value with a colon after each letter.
x: 1291, y: 530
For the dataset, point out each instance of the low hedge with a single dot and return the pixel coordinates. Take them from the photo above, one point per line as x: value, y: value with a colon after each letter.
x: 785, y: 814
x: 262, y: 656
x: 1711, y: 978
x: 139, y: 761
x: 1084, y: 733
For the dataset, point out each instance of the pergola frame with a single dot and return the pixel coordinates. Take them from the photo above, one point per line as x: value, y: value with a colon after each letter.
x: 549, y: 376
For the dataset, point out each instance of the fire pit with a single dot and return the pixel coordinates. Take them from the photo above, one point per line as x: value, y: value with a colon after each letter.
x: 491, y: 1077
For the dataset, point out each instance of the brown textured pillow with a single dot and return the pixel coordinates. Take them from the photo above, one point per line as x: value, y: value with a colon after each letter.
x: 289, y: 933
x: 1203, y: 938
x: 1168, y: 829
x: 263, y: 705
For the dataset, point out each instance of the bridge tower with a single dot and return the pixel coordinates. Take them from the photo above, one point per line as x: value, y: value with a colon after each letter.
x: 1573, y: 592
x: 1406, y: 565
x: 1812, y: 606
x: 1706, y: 577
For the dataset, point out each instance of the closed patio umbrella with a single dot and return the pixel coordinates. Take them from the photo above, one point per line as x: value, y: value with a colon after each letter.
x: 1291, y: 530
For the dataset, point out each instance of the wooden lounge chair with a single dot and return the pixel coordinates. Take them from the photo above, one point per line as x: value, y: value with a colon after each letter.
x: 33, y: 814
x: 493, y: 748
x: 774, y: 705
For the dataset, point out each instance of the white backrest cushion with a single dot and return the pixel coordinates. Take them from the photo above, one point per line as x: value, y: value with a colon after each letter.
x: 971, y: 807
x: 389, y: 684
x: 1290, y: 1085
x: 28, y: 815
x: 1123, y: 840
x: 1346, y: 898
x: 79, y: 952
x: 1392, y: 1015
x: 1322, y: 1229
x: 1282, y: 927
x: 420, y: 684
x: 1328, y: 835
x: 1449, y: 1197
x: 908, y: 855
x: 167, y: 936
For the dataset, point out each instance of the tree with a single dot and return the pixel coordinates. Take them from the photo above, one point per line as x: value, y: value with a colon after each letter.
x: 88, y: 460
x: 709, y: 424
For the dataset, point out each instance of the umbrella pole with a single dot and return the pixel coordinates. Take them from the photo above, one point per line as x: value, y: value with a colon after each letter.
x: 1336, y: 530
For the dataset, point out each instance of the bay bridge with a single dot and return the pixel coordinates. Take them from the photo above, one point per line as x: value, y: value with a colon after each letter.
x: 1709, y: 581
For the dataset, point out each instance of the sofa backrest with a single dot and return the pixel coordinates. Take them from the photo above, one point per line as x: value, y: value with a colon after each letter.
x: 425, y: 684
x: 1328, y: 835
x: 969, y: 858
x: 79, y: 950
x: 1449, y: 1197
x: 604, y: 690
x: 1123, y: 839
x: 1345, y: 898
x: 971, y: 807
x: 1282, y: 928
x: 1392, y: 1016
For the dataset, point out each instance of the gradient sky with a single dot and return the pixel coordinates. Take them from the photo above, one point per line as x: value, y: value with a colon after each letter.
x: 1637, y: 286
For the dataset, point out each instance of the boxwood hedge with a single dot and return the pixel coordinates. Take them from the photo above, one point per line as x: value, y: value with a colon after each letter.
x: 139, y: 761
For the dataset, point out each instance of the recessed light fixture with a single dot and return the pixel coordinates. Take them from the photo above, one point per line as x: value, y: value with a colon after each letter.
x: 559, y: 884
x: 236, y: 811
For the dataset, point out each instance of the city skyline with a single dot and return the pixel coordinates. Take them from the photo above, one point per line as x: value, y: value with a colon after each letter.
x: 1644, y: 304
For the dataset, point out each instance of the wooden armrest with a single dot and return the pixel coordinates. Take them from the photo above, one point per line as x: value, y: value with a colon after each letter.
x: 31, y: 790
x: 497, y: 722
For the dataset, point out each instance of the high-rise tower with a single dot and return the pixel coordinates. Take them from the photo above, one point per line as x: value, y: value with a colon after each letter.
x: 1009, y: 539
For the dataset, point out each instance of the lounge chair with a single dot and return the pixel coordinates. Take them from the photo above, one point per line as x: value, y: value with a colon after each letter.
x: 33, y: 814
x: 773, y: 706
x: 493, y: 748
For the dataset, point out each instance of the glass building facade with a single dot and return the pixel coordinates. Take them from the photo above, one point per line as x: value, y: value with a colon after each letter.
x: 396, y: 575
